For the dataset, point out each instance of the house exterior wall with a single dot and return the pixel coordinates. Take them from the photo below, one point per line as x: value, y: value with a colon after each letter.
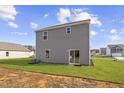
x: 108, y: 51
x: 116, y: 54
x: 59, y: 44
x: 123, y: 53
x: 102, y: 51
x: 95, y: 51
x: 14, y: 54
x: 32, y: 53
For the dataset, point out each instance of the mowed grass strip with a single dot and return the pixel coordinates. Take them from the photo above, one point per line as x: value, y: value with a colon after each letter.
x: 106, y: 70
x: 101, y: 56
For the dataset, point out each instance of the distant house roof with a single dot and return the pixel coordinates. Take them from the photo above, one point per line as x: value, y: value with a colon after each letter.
x: 64, y: 25
x: 116, y: 45
x: 95, y: 50
x: 31, y: 48
x: 103, y: 48
x: 4, y: 46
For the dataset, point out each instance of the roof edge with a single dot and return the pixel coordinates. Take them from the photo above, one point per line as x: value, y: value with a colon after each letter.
x: 9, y: 43
x: 120, y: 45
x: 63, y: 25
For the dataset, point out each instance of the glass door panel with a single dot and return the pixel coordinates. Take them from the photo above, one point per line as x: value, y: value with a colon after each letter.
x: 74, y: 56
x: 77, y: 56
x: 71, y: 56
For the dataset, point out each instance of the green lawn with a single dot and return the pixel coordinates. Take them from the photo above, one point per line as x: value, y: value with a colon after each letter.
x: 101, y: 56
x: 103, y: 70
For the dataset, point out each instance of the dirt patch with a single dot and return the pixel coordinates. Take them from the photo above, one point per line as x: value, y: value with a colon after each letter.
x: 17, y: 79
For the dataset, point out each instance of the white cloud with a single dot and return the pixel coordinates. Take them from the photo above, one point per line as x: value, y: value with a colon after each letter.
x: 114, y: 37
x: 83, y: 15
x: 74, y: 10
x: 33, y: 25
x: 66, y: 15
x: 113, y: 31
x: 8, y: 12
x: 20, y: 33
x: 46, y: 15
x: 12, y: 24
x: 63, y: 14
x: 92, y: 34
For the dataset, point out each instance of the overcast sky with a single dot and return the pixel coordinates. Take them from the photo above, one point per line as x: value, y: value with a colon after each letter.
x: 18, y: 23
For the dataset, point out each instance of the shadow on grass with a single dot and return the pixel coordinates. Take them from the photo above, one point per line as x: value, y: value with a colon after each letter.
x: 24, y: 62
x: 19, y: 62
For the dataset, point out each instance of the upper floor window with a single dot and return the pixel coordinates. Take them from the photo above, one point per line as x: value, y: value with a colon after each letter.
x: 68, y: 30
x: 45, y: 35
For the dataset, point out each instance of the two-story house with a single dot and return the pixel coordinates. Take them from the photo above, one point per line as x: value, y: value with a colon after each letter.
x: 66, y: 43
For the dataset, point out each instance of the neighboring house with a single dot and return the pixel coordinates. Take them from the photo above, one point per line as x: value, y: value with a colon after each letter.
x: 102, y: 51
x: 65, y: 43
x: 11, y: 50
x: 94, y: 51
x: 31, y: 48
x: 116, y: 50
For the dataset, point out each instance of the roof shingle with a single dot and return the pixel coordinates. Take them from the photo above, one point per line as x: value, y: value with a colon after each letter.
x: 5, y: 46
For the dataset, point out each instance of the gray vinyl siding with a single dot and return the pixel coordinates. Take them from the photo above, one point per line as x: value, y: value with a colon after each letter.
x: 123, y: 53
x: 59, y: 43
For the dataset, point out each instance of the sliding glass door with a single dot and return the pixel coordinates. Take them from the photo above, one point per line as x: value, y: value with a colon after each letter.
x: 74, y: 56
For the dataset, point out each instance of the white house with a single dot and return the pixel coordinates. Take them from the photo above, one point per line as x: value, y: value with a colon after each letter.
x: 31, y: 48
x: 116, y: 50
x: 94, y: 51
x: 11, y: 50
x: 102, y: 51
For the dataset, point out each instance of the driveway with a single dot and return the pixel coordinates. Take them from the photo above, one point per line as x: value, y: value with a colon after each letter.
x: 22, y: 79
x: 119, y: 58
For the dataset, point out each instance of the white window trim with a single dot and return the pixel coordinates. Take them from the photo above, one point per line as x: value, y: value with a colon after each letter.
x: 44, y: 35
x: 69, y: 56
x: 70, y: 30
x: 49, y: 53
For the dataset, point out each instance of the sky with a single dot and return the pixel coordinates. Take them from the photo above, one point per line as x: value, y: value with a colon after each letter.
x: 19, y: 23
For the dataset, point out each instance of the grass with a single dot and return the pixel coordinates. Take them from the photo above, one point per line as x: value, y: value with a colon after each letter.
x: 105, y: 70
x: 101, y: 56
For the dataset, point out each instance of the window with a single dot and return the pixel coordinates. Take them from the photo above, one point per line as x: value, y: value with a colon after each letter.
x: 119, y: 50
x: 7, y: 53
x: 68, y: 30
x: 47, y: 53
x: 45, y: 35
x: 113, y: 50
